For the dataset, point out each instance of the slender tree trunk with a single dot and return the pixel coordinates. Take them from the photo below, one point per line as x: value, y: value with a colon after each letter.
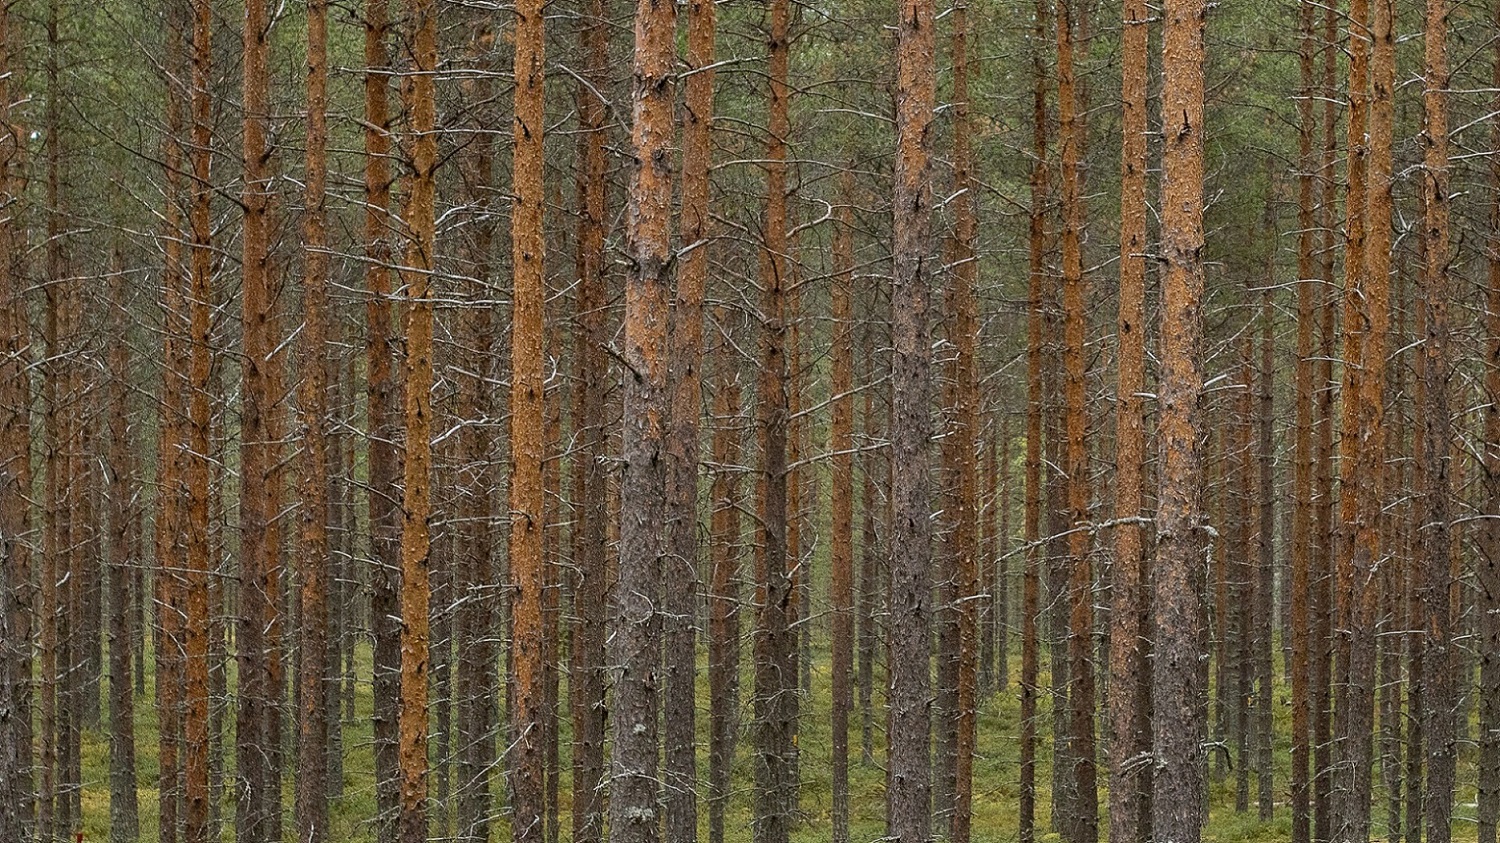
x: 1265, y: 588
x: 1083, y: 825
x: 170, y: 448
x: 869, y: 562
x: 724, y: 596
x: 679, y: 714
x: 52, y: 814
x: 527, y: 436
x: 384, y: 397
x: 1129, y: 687
x: 1304, y: 457
x: 965, y: 436
x: 635, y: 652
x: 1000, y: 552
x: 1488, y: 563
x: 312, y: 746
x: 775, y: 642
x: 1323, y: 645
x: 258, y: 733
x: 908, y: 798
x: 586, y: 654
x: 124, y: 811
x: 17, y: 797
x: 1362, y: 462
x: 841, y: 445
x: 1035, y: 548
x: 416, y: 277
x: 196, y: 454
x: 477, y: 680
x: 1434, y: 489
x: 1177, y: 728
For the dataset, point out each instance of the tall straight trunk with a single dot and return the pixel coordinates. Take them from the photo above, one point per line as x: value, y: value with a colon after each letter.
x: 477, y: 676
x: 635, y: 650
x: 527, y: 436
x: 723, y: 608
x: 1321, y: 677
x: 16, y: 590
x: 679, y: 703
x: 999, y: 555
x: 258, y: 733
x: 195, y: 619
x: 1035, y: 493
x: 724, y: 595
x: 1488, y: 563
x: 384, y: 397
x: 841, y: 563
x: 1344, y: 802
x: 551, y: 599
x: 1433, y: 486
x: 775, y: 641
x: 1082, y: 815
x: 1361, y: 464
x: 1304, y: 457
x: 870, y: 504
x: 416, y: 277
x: 586, y: 653
x: 1177, y: 800
x: 965, y: 441
x: 52, y: 807
x: 908, y: 797
x: 1244, y: 526
x: 312, y: 743
x: 124, y: 810
x: 1265, y: 587
x: 1129, y: 687
x: 170, y: 445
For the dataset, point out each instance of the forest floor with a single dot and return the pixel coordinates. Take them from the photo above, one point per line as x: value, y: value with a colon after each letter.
x: 995, y: 775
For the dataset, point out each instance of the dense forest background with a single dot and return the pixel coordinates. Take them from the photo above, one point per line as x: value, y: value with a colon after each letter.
x: 447, y: 419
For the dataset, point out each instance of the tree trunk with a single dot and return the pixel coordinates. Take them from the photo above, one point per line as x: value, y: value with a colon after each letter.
x: 1362, y: 461
x: 724, y: 595
x: 258, y: 731
x: 124, y: 811
x: 1434, y: 489
x: 679, y: 714
x: 908, y: 798
x: 775, y: 641
x: 841, y: 541
x: 1304, y: 458
x: 586, y: 654
x: 1177, y: 728
x: 527, y: 434
x: 17, y: 797
x: 1488, y: 563
x: 636, y: 644
x: 1323, y: 609
x: 312, y: 744
x: 1129, y: 687
x: 384, y: 397
x: 965, y: 436
x: 1035, y: 493
x: 416, y: 277
x: 196, y: 448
